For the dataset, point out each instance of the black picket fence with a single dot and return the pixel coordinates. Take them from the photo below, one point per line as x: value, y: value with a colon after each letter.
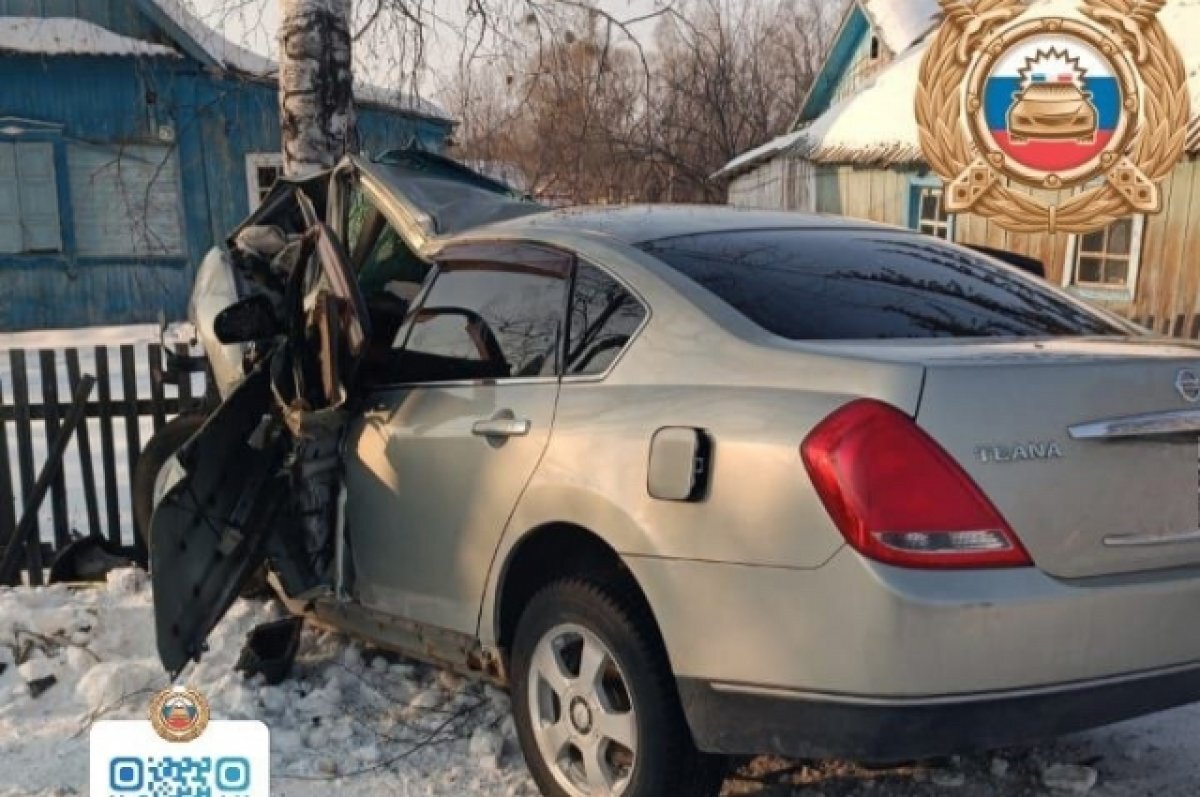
x: 92, y: 492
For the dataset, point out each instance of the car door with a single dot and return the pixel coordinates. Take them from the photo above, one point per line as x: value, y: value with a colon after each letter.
x: 229, y: 502
x: 454, y: 427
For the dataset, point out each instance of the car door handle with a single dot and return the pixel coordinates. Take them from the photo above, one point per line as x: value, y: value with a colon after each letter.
x: 501, y: 427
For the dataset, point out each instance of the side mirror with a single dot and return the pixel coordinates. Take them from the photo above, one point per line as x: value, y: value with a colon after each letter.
x: 251, y: 319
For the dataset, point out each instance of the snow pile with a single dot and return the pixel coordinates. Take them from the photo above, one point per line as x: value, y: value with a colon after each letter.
x: 349, y: 721
x: 69, y: 36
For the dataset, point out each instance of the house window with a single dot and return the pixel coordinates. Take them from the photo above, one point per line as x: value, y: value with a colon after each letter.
x: 1106, y: 259
x: 126, y: 200
x: 29, y: 219
x: 929, y: 213
x: 262, y: 170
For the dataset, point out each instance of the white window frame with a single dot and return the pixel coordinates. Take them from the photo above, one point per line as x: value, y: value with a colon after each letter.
x: 916, y: 189
x: 254, y: 160
x: 1126, y: 292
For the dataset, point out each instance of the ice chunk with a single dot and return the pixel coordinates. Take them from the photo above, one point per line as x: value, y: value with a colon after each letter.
x: 111, y: 683
x: 126, y: 580
x: 1069, y: 778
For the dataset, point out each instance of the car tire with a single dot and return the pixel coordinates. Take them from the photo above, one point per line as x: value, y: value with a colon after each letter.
x: 159, y: 448
x: 620, y: 731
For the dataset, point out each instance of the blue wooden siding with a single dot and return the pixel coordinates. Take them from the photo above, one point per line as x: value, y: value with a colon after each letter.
x: 85, y: 106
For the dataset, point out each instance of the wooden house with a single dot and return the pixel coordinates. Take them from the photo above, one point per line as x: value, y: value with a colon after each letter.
x: 131, y: 137
x: 855, y: 151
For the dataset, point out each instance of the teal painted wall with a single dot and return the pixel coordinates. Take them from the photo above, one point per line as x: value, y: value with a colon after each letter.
x: 208, y: 123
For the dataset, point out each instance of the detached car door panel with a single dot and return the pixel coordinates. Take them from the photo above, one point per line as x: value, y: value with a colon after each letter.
x: 438, y: 462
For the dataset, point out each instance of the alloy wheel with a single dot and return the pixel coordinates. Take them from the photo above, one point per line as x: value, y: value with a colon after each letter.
x: 583, y: 715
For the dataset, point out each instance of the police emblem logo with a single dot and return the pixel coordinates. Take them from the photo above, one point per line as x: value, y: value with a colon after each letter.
x: 1047, y: 117
x: 179, y: 714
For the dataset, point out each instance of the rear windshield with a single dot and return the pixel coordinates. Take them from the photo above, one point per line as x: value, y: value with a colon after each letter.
x: 855, y: 285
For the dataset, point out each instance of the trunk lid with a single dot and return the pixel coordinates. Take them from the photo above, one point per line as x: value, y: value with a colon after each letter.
x: 1028, y: 421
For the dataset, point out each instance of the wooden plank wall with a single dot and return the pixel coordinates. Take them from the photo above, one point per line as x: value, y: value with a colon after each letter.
x: 1169, y: 276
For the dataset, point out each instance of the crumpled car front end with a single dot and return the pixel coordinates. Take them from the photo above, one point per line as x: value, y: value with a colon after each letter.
x: 260, y: 481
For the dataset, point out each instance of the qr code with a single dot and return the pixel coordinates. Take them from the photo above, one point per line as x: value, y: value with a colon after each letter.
x: 188, y: 776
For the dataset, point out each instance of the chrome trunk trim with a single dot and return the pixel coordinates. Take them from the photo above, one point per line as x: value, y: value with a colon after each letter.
x: 1172, y: 422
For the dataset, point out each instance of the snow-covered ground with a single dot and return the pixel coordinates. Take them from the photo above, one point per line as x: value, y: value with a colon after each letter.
x: 352, y: 721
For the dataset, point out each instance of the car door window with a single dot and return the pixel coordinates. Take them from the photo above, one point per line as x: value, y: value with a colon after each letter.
x: 389, y: 273
x: 486, y: 321
x: 604, y: 317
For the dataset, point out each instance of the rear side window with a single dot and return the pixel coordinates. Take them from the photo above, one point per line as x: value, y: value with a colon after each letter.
x: 604, y: 316
x: 856, y: 285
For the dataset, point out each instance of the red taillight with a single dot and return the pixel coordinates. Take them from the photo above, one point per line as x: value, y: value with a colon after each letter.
x: 899, y: 498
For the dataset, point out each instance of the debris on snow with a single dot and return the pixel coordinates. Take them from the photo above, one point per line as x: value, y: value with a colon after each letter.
x: 39, y: 685
x: 37, y: 669
x: 1070, y: 778
x: 350, y: 720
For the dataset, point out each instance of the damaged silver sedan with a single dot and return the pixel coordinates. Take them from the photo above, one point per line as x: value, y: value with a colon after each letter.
x: 691, y: 482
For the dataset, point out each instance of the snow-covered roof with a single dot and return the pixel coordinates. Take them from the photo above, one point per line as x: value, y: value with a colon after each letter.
x: 237, y: 58
x: 900, y: 23
x: 760, y: 153
x: 219, y: 49
x: 851, y: 132
x: 70, y: 36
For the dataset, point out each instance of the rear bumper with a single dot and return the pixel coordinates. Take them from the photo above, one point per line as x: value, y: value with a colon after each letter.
x: 739, y: 720
x: 855, y: 627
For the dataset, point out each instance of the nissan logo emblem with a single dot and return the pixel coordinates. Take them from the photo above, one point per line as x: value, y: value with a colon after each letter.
x: 1188, y: 385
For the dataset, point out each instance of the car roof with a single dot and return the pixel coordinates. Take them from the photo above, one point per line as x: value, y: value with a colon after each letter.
x: 639, y: 224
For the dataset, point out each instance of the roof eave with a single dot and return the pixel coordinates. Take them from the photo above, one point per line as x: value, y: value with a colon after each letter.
x: 180, y: 36
x: 804, y: 115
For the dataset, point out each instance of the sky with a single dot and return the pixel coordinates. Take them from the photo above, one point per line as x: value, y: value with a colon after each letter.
x: 254, y: 23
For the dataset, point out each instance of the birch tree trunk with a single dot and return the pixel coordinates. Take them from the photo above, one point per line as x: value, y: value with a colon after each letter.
x: 316, y: 87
